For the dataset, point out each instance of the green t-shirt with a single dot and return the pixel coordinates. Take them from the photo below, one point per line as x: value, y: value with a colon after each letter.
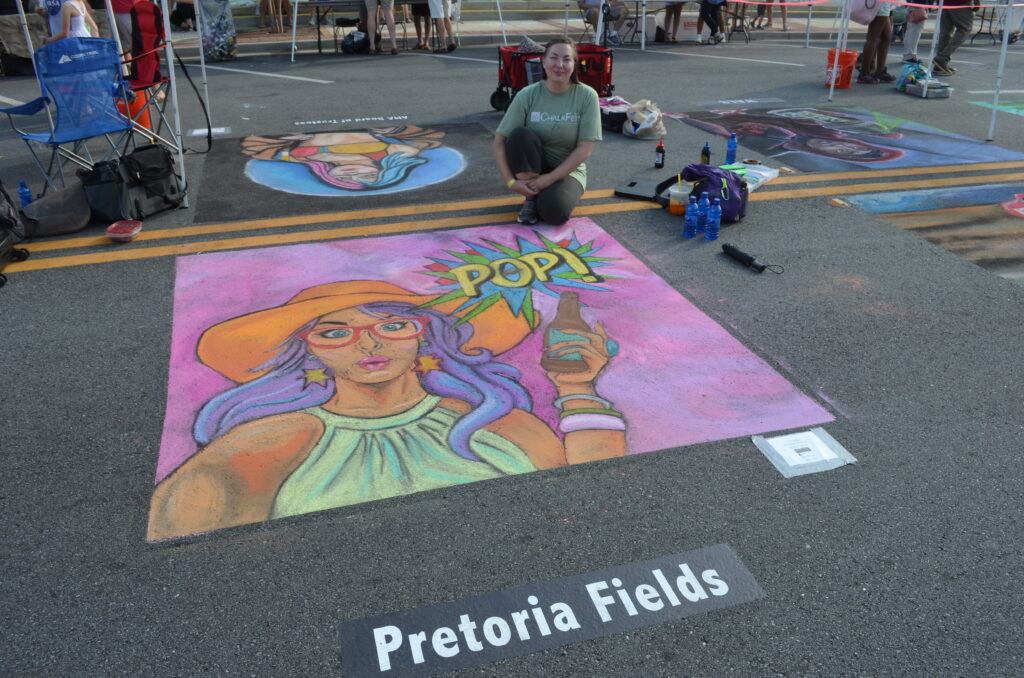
x: 560, y: 120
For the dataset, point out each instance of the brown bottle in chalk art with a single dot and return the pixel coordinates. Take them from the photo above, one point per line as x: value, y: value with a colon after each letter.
x: 567, y: 317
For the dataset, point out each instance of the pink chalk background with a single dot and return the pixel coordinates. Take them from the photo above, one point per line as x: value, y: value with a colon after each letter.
x: 679, y: 377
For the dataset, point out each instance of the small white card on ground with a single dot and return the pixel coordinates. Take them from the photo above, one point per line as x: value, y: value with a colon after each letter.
x: 798, y: 454
x: 201, y: 132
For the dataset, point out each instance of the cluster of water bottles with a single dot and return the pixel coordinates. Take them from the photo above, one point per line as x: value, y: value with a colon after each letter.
x: 703, y: 215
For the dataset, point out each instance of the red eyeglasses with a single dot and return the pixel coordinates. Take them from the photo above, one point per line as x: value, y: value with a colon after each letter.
x: 336, y: 336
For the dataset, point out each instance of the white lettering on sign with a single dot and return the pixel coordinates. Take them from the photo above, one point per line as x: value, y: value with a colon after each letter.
x: 687, y: 584
x: 497, y: 632
x: 342, y: 121
x: 541, y: 116
x: 493, y: 626
x: 608, y: 598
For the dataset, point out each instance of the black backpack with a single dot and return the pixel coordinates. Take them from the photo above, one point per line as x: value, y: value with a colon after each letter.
x: 10, y: 221
x: 356, y: 42
x: 150, y: 183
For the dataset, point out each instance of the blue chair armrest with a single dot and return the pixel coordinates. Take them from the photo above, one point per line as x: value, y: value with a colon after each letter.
x: 31, y: 108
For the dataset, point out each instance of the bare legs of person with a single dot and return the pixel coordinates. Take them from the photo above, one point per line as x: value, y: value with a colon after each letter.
x: 672, y: 15
x: 422, y: 24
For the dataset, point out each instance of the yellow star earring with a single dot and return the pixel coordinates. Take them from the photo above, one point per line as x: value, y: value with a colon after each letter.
x: 318, y: 375
x: 427, y: 363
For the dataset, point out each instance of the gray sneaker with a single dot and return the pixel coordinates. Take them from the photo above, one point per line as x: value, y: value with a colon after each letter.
x: 528, y: 213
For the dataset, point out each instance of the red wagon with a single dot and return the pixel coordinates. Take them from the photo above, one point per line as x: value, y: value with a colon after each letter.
x: 517, y: 69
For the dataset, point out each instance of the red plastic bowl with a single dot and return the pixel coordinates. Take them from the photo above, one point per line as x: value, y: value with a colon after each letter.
x: 124, y: 231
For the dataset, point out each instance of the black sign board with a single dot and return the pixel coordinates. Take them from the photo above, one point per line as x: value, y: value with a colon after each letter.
x: 525, y: 619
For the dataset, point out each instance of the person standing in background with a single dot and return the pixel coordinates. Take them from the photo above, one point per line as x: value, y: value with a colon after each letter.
x: 912, y: 33
x: 440, y: 12
x: 388, y: 9
x: 421, y: 20
x: 954, y: 27
x: 75, y: 22
x: 673, y: 12
x: 123, y: 22
x: 876, y: 48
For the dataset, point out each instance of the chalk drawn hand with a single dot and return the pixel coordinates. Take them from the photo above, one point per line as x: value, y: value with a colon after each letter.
x: 595, y: 348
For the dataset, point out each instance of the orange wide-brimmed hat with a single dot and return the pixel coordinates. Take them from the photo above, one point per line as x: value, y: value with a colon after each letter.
x: 238, y: 347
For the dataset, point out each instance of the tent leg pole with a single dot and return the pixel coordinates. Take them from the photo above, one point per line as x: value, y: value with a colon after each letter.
x: 169, y: 55
x: 999, y: 72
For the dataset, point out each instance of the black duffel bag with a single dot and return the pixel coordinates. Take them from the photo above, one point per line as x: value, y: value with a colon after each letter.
x: 150, y: 183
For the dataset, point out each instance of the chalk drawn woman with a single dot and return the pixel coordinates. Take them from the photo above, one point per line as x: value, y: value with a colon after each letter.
x: 354, y: 391
x: 355, y: 161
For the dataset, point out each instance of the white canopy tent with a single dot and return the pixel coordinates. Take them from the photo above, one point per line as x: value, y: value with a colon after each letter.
x: 175, y: 142
x: 1008, y: 9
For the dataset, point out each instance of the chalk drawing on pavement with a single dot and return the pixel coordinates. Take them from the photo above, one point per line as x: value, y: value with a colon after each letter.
x: 313, y: 376
x: 984, y: 224
x: 840, y: 138
x: 353, y: 162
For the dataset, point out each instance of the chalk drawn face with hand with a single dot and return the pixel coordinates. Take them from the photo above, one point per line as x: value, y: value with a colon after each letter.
x: 358, y: 162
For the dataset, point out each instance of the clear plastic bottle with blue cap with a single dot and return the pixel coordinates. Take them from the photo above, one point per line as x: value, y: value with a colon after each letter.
x: 690, y: 223
x: 730, y: 149
x: 703, y: 206
x: 25, y: 193
x: 714, y: 220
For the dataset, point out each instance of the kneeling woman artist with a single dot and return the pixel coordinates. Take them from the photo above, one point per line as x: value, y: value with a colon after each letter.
x: 546, y: 136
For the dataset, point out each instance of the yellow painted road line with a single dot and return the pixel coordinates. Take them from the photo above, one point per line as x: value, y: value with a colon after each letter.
x: 880, y: 187
x: 299, y: 237
x: 906, y: 171
x: 302, y: 220
x: 409, y: 226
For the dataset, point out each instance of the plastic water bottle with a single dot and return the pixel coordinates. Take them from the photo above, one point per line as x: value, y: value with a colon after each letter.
x: 690, y: 223
x: 730, y: 149
x: 703, y: 207
x: 714, y: 220
x: 24, y: 193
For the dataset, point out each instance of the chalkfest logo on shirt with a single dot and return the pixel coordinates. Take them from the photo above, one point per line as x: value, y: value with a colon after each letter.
x: 541, y: 116
x: 526, y: 619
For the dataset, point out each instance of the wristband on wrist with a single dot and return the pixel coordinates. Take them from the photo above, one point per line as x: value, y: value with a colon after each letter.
x: 590, y: 410
x: 510, y: 182
x: 559, y: 402
x: 591, y: 422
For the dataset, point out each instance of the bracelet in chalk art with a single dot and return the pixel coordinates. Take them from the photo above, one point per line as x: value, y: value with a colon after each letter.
x: 591, y: 422
x: 582, y: 396
x: 590, y: 410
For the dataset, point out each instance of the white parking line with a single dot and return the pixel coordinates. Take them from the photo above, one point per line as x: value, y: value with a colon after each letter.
x: 11, y: 102
x: 992, y: 91
x: 449, y: 56
x: 715, y: 56
x: 270, y: 75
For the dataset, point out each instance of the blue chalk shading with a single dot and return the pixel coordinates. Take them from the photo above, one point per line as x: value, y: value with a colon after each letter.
x: 925, y: 199
x: 442, y: 164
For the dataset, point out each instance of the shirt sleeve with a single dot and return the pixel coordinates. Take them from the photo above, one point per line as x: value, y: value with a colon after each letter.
x: 516, y: 115
x: 590, y: 116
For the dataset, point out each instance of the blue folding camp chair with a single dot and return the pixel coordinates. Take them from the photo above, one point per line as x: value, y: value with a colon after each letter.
x: 81, y: 78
